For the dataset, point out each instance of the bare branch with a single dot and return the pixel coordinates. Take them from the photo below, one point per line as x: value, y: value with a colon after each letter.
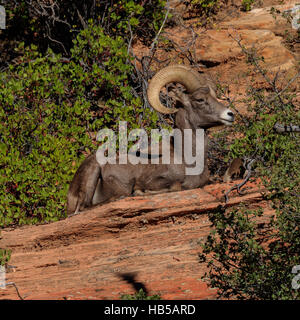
x: 286, y: 128
x: 14, y: 285
x: 161, y: 27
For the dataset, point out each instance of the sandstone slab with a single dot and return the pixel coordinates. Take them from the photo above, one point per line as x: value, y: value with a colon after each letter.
x: 158, y: 238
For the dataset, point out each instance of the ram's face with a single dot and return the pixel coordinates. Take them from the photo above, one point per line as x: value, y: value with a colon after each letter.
x: 203, y: 109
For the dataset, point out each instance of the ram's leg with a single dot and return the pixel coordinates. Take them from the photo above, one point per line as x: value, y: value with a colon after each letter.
x: 175, y: 187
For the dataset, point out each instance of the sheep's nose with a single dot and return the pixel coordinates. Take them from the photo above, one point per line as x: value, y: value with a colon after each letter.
x: 227, y: 116
x: 230, y: 115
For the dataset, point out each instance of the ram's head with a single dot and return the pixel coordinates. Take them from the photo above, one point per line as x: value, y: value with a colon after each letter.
x: 199, y: 105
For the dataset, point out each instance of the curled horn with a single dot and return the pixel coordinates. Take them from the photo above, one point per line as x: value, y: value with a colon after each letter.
x: 181, y: 74
x: 203, y: 81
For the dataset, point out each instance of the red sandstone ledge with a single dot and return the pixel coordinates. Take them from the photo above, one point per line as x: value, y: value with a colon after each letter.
x: 157, y: 237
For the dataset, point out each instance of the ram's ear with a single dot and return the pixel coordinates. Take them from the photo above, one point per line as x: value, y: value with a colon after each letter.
x: 183, y: 98
x: 212, y: 92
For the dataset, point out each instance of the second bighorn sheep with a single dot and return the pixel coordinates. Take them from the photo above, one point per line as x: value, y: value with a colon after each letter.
x: 198, y: 108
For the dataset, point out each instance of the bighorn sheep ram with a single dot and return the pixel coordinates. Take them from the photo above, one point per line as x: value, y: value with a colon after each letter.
x: 198, y: 108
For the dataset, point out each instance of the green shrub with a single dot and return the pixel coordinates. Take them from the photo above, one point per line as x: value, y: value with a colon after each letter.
x: 48, y: 106
x: 56, y: 24
x: 247, y: 4
x: 251, y: 256
x: 140, y: 295
x: 4, y: 256
x: 205, y: 7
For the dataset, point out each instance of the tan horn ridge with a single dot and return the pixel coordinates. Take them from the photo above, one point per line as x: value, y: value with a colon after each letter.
x: 176, y: 73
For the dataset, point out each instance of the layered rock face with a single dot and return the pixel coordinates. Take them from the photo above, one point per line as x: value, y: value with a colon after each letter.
x: 156, y: 238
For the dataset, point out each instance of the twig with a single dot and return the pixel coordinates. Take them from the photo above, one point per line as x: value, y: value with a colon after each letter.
x: 13, y: 284
x: 161, y: 27
x: 286, y: 128
x: 253, y: 60
x: 83, y: 23
x: 53, y: 40
x: 286, y: 87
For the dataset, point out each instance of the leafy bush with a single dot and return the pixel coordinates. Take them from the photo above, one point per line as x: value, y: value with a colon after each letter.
x: 204, y: 7
x: 140, y: 295
x: 4, y: 256
x: 204, y: 4
x: 251, y: 256
x: 49, y: 107
x: 247, y: 4
x: 55, y: 24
